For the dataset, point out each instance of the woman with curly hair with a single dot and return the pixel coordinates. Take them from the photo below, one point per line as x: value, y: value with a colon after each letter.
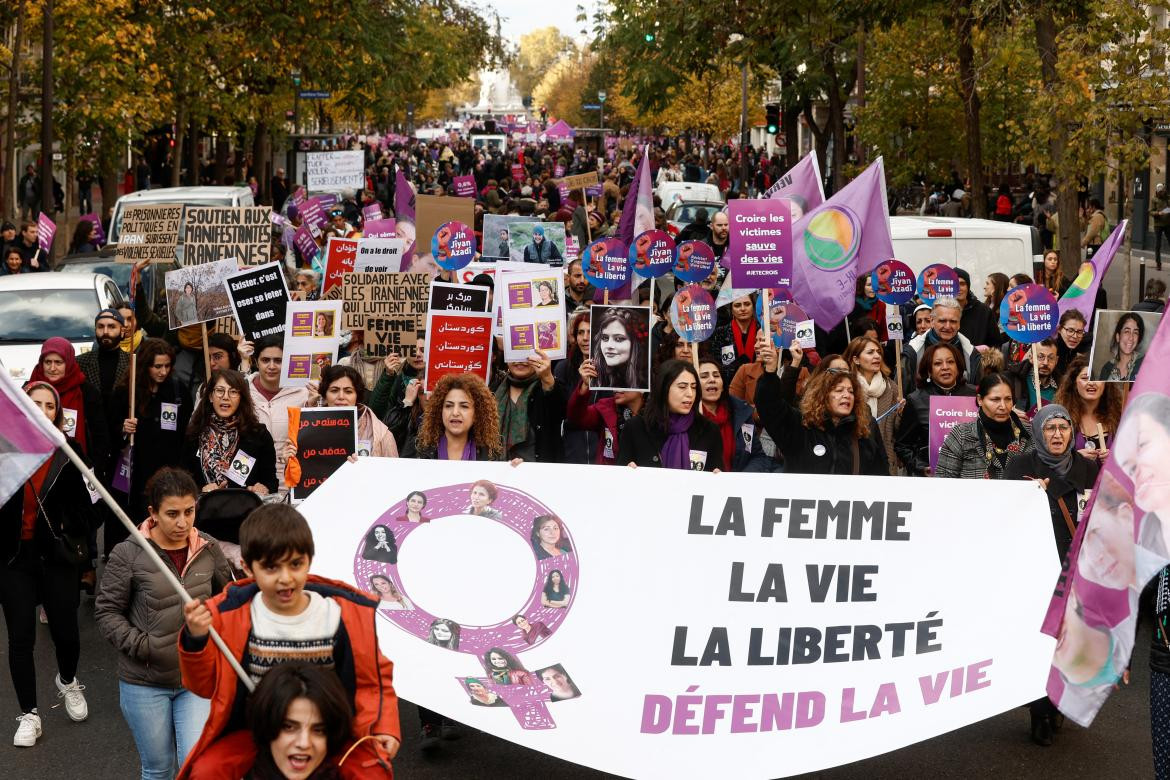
x: 460, y: 422
x: 223, y: 427
x: 1095, y: 408
x: 619, y: 348
x: 831, y: 432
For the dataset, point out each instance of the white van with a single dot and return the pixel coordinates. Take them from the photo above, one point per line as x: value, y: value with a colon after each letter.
x: 671, y: 192
x: 978, y: 246
x: 187, y: 196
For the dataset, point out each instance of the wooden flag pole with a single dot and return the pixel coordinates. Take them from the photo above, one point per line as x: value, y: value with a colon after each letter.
x: 585, y: 205
x: 133, y: 382
x: 1036, y: 376
x: 766, y: 313
x: 898, y: 350
x: 1101, y: 436
x: 206, y: 354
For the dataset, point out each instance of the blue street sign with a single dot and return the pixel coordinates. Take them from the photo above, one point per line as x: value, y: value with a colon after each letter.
x: 314, y: 94
x: 591, y: 107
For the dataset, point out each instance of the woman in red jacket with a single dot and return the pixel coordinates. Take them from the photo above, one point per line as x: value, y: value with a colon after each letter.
x: 607, y: 416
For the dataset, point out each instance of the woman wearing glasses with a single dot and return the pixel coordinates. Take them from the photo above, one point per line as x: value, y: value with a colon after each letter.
x: 226, y: 445
x: 1070, y: 341
x: 1064, y: 473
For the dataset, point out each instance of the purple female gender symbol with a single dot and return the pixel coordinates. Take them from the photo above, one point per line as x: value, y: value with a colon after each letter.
x: 504, y: 681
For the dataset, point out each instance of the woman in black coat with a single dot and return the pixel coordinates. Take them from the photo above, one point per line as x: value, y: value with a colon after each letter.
x: 224, y: 430
x: 939, y: 372
x: 43, y: 530
x: 1064, y: 473
x: 670, y: 432
x: 831, y: 431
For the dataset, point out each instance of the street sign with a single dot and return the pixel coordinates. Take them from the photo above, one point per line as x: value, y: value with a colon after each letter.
x: 601, y: 96
x: 592, y: 107
x: 314, y: 94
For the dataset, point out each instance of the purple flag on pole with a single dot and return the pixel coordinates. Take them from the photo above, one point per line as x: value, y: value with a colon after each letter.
x: 1082, y: 293
x: 404, y: 215
x: 834, y: 244
x: 26, y: 437
x: 464, y: 186
x: 46, y: 229
x: 801, y: 185
x: 1121, y: 543
x: 637, y: 216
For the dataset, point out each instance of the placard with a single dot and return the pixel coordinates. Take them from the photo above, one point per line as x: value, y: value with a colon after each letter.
x: 459, y: 297
x: 1029, y: 314
x: 311, y: 331
x: 196, y: 293
x: 693, y: 261
x: 46, y: 229
x: 380, y: 228
x: 458, y: 342
x: 340, y: 256
x: 537, y: 242
x: 893, y: 282
x: 533, y: 305
x: 759, y: 244
x: 259, y: 297
x: 937, y: 281
x: 379, y: 255
x: 804, y: 334
x: 434, y: 210
x: 397, y: 300
x: 619, y: 345
x: 464, y: 186
x: 579, y: 182
x: 324, y: 437
x: 947, y: 411
x: 497, y: 235
x: 783, y: 316
x: 313, y: 215
x: 306, y: 244
x: 213, y: 233
x: 371, y: 212
x: 692, y: 314
x: 1121, y: 340
x: 336, y: 170
x: 607, y: 264
x: 652, y: 254
x: 149, y: 233
x: 453, y: 246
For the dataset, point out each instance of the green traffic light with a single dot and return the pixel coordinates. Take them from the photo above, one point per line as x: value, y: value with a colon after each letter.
x: 649, y: 37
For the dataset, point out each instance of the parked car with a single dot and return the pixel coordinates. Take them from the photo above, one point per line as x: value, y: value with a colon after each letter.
x: 150, y: 279
x: 671, y: 192
x: 682, y: 213
x: 34, y: 307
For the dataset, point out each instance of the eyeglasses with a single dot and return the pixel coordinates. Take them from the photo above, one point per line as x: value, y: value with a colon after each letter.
x: 226, y: 392
x: 1075, y: 333
x: 1057, y: 428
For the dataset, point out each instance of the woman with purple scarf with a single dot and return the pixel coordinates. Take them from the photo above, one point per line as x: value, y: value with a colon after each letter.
x: 670, y: 432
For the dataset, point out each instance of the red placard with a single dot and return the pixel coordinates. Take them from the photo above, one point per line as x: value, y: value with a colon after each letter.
x: 340, y: 254
x: 458, y: 342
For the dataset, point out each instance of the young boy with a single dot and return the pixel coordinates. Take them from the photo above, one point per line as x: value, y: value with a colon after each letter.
x: 284, y: 614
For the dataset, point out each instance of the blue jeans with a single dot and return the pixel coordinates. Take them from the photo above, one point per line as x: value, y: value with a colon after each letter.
x: 165, y: 722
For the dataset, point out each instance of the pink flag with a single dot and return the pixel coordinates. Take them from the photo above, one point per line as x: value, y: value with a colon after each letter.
x: 1082, y: 293
x: 27, y: 439
x: 801, y: 185
x: 46, y: 229
x: 404, y: 215
x: 637, y: 215
x: 1122, y: 542
x: 835, y: 243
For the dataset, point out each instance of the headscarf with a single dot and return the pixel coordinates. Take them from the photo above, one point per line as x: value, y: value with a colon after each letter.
x: 68, y: 387
x: 1058, y: 463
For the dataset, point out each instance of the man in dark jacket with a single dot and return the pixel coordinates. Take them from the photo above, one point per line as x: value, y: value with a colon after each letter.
x: 1155, y: 297
x: 106, y: 364
x: 540, y: 249
x: 979, y: 323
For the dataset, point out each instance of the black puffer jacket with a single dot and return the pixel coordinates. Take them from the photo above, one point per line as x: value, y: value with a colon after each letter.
x: 912, y: 439
x: 815, y: 450
x: 63, y: 517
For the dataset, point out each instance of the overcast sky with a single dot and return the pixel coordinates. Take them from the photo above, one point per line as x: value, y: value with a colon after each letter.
x: 521, y: 16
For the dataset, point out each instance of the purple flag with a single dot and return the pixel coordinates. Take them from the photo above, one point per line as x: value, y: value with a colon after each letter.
x: 46, y: 229
x: 464, y: 186
x: 834, y: 244
x: 306, y: 244
x: 26, y: 437
x: 313, y: 213
x: 1122, y: 542
x: 99, y: 233
x: 404, y: 215
x: 801, y: 186
x: 1082, y: 293
x: 637, y: 216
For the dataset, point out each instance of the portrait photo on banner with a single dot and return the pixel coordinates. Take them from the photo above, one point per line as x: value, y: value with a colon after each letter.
x: 1120, y: 342
x: 619, y: 345
x: 497, y: 234
x: 537, y: 242
x: 196, y: 293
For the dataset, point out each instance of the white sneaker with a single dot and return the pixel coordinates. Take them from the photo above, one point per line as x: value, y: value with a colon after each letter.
x: 75, y: 705
x: 28, y: 731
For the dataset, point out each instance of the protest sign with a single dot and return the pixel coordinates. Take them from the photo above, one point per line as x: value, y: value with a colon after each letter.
x: 434, y: 210
x: 371, y: 212
x: 313, y: 214
x: 212, y: 233
x: 652, y: 254
x: 518, y: 173
x: 306, y: 244
x: 464, y: 186
x: 1029, y: 314
x: 947, y: 411
x: 937, y: 281
x: 496, y: 235
x: 259, y: 297
x: 572, y: 249
x: 893, y: 282
x: 759, y: 244
x: 453, y: 245
x: 380, y: 228
x: 99, y: 232
x: 1121, y: 340
x: 196, y: 293
x: 323, y: 438
x: 458, y: 342
x: 458, y: 297
x: 692, y: 314
x: 537, y: 242
x: 310, y: 340
x: 807, y: 623
x: 340, y: 255
x: 336, y: 170
x: 534, y: 314
x: 46, y: 229
x: 693, y: 261
x: 783, y: 316
x: 398, y: 298
x: 619, y: 345
x: 607, y: 264
x: 379, y: 255
x: 149, y: 233
x: 299, y: 194
x: 578, y: 182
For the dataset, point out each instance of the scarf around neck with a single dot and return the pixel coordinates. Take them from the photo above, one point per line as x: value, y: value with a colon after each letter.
x: 676, y: 450
x: 218, y: 442
x: 133, y: 341
x: 468, y: 449
x: 722, y: 419
x: 514, y: 416
x: 873, y: 390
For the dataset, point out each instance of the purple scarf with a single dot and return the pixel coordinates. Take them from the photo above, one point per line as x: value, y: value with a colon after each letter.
x: 468, y: 449
x: 676, y: 450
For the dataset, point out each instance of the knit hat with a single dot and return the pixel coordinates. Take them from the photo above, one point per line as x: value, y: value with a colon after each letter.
x: 113, y: 314
x: 966, y: 277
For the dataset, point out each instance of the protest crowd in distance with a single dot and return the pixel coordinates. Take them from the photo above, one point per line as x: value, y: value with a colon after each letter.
x: 449, y: 301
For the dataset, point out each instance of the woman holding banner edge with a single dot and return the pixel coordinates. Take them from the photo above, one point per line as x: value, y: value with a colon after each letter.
x: 981, y: 449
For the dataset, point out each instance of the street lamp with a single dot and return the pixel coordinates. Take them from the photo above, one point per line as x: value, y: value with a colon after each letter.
x: 733, y: 39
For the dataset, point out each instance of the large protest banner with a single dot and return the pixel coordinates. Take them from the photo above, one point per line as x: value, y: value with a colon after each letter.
x: 336, y: 170
x: 259, y: 297
x: 149, y: 233
x: 818, y: 620
x: 213, y: 233
x: 323, y: 439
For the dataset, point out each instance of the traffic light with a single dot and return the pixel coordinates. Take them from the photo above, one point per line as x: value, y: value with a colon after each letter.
x: 772, y: 114
x: 649, y: 37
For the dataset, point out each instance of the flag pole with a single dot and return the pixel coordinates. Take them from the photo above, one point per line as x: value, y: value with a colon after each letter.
x: 90, y: 477
x: 133, y: 382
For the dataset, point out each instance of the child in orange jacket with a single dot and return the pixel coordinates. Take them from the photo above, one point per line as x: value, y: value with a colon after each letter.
x: 285, y: 614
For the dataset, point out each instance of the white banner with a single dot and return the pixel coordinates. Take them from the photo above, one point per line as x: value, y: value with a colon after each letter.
x: 333, y: 171
x: 695, y: 624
